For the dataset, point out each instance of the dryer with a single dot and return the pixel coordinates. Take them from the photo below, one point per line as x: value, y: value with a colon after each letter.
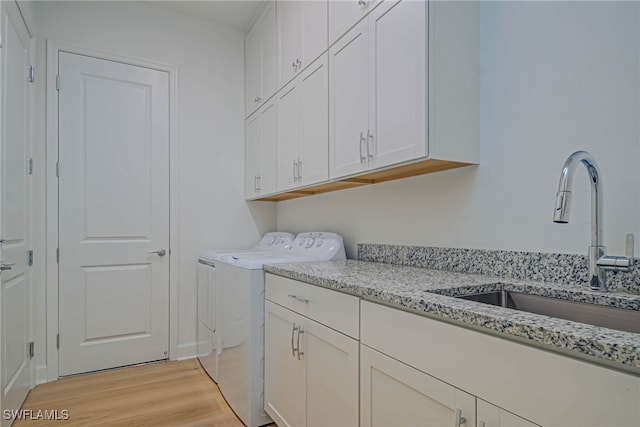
x: 209, y: 294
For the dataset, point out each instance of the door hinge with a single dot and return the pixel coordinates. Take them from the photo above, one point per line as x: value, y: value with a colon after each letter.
x: 58, y: 341
x: 58, y: 82
x: 32, y: 74
x: 58, y: 255
x: 57, y: 169
x: 30, y: 258
x: 30, y: 166
x: 32, y: 351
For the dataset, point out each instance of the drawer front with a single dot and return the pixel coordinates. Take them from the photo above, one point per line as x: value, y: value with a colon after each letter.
x: 331, y: 308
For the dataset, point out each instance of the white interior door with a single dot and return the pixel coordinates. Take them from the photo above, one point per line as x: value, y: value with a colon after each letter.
x: 14, y: 211
x: 114, y: 213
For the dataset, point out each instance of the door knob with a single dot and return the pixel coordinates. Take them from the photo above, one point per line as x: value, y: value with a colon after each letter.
x: 7, y: 266
x: 159, y: 252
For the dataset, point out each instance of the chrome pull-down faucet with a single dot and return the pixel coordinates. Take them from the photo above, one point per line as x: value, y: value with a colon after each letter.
x: 599, y: 263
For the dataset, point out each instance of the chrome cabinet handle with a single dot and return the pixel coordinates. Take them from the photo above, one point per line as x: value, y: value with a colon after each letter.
x: 159, y: 252
x: 258, y: 99
x: 295, y: 175
x: 259, y: 182
x: 300, y: 331
x: 362, y: 2
x: 297, y: 298
x: 294, y: 65
x: 293, y: 331
x: 362, y: 140
x: 459, y: 418
x: 299, y: 170
x: 6, y: 266
x: 299, y: 63
x: 369, y: 140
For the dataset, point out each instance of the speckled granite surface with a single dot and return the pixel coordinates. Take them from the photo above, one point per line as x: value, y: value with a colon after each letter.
x: 546, y: 267
x: 427, y: 290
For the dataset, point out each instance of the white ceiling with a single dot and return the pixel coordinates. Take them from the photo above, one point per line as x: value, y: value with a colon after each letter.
x: 231, y: 13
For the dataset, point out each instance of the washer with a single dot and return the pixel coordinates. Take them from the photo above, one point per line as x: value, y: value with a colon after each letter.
x: 209, y: 338
x: 241, y: 357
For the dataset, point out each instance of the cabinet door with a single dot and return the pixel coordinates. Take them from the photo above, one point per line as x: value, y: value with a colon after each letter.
x: 288, y: 136
x: 284, y: 386
x: 252, y: 61
x: 268, y: 140
x: 314, y: 111
x: 492, y: 416
x: 251, y: 154
x: 349, y: 103
x: 268, y: 53
x: 344, y: 14
x: 395, y: 394
x: 289, y: 25
x: 398, y: 110
x: 314, y: 31
x: 332, y: 376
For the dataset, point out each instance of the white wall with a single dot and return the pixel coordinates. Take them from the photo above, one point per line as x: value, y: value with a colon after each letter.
x: 556, y: 77
x: 210, y: 123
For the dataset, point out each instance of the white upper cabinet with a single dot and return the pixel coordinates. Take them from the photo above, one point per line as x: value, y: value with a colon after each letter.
x: 397, y: 83
x: 344, y: 14
x: 378, y: 90
x: 260, y: 151
x: 382, y: 106
x: 303, y: 139
x: 302, y: 35
x: 349, y: 102
x: 403, y: 91
x: 261, y: 60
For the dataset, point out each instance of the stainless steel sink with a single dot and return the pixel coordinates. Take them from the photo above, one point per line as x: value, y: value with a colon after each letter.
x: 592, y: 314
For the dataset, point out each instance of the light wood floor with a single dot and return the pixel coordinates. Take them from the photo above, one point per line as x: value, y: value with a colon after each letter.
x: 158, y: 394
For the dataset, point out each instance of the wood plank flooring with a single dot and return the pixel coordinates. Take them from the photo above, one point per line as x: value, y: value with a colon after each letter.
x: 157, y: 394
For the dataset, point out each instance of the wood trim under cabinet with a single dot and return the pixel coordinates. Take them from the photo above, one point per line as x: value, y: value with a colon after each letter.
x: 398, y: 172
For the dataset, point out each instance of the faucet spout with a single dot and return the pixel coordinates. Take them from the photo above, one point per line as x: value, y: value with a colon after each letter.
x: 563, y: 203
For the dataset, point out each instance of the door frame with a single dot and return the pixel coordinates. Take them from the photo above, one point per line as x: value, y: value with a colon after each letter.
x: 52, y: 204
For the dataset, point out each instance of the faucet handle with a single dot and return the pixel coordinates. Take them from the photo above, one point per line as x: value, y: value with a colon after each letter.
x: 629, y: 250
x: 618, y: 263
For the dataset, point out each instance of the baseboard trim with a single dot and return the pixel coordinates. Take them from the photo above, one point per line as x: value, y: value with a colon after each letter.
x: 186, y: 351
x: 42, y: 374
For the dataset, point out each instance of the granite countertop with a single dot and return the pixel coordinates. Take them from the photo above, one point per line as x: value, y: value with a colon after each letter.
x: 429, y: 291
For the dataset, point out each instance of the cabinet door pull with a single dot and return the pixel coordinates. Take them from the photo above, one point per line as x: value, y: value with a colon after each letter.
x: 259, y: 182
x: 297, y: 298
x: 362, y: 2
x: 369, y: 144
x: 459, y: 418
x: 362, y: 140
x: 299, y: 170
x: 295, y: 176
x: 300, y: 331
x: 293, y: 331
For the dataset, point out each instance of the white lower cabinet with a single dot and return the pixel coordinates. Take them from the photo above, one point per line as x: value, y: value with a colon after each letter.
x: 395, y: 394
x: 491, y: 416
x: 526, y: 386
x: 332, y: 359
x: 284, y: 379
x: 311, y: 370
